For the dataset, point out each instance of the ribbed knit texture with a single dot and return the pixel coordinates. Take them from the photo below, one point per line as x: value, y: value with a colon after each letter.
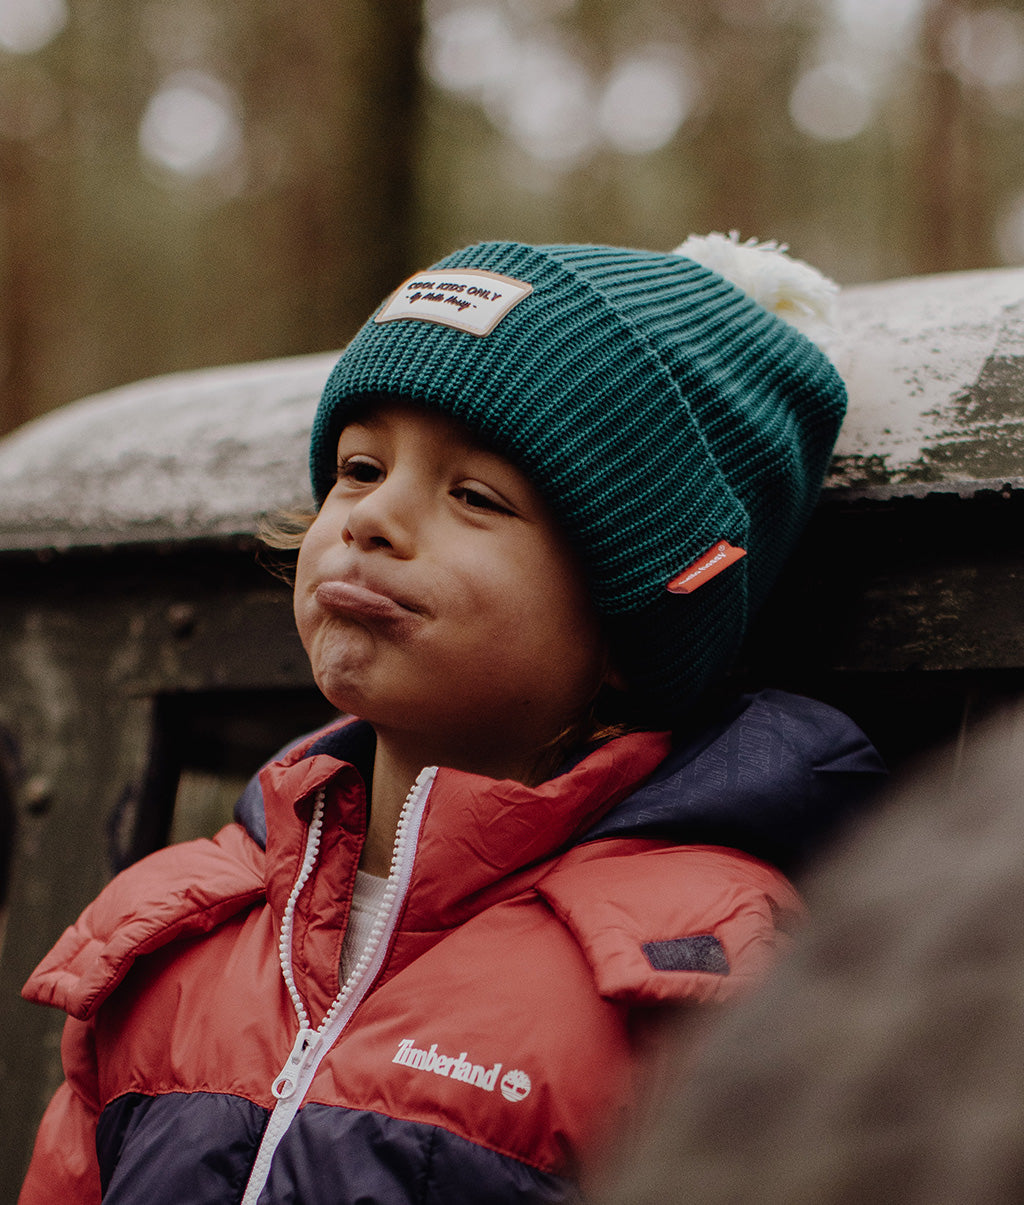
x: 655, y: 406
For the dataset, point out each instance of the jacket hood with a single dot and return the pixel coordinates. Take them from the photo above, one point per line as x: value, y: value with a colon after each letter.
x: 776, y: 775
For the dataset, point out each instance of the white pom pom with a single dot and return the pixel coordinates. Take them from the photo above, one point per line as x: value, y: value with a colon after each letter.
x: 787, y: 287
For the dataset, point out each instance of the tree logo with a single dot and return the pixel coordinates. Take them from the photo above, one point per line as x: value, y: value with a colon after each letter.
x: 515, y: 1085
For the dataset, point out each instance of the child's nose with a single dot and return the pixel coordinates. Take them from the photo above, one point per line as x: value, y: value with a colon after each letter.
x: 384, y: 518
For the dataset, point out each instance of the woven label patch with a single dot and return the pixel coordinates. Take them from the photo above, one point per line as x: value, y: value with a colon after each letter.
x: 468, y: 299
x: 704, y: 568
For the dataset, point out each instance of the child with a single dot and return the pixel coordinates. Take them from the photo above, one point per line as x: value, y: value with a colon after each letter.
x: 553, y: 483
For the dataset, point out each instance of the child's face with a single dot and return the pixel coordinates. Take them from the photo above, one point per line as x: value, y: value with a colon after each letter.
x: 436, y: 597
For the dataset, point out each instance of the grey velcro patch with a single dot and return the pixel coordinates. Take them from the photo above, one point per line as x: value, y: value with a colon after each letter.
x: 702, y: 952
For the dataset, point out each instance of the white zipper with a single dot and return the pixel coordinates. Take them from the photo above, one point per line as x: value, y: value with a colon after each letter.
x: 311, y: 1045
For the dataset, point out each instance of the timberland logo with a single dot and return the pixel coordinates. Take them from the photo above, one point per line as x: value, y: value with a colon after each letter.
x: 515, y: 1085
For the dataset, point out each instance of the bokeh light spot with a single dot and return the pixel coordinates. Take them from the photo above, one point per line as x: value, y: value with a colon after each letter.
x: 646, y: 100
x: 28, y: 25
x: 987, y: 47
x: 470, y: 49
x: 191, y: 126
x: 830, y: 102
x: 549, y: 107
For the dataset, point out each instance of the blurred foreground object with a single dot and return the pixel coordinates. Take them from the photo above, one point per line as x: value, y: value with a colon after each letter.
x: 884, y: 1061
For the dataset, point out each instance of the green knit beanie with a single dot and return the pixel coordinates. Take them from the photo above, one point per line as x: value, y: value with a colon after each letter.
x: 677, y: 429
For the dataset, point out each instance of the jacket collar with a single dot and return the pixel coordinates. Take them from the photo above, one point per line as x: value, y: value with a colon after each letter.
x: 775, y: 775
x: 476, y: 832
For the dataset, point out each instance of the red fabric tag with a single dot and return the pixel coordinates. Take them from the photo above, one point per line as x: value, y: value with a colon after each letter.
x: 720, y: 556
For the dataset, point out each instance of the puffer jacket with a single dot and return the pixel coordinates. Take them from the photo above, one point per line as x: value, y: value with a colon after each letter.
x: 484, y: 1049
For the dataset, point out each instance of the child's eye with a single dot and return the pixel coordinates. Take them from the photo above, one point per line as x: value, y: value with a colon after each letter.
x: 477, y: 499
x: 359, y: 470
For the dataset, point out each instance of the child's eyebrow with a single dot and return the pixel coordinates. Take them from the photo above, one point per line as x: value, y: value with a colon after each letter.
x: 364, y: 422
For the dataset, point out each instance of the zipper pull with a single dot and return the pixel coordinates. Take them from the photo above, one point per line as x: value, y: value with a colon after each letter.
x: 307, y: 1043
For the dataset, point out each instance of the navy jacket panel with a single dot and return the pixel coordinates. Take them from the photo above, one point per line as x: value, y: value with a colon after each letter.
x: 184, y: 1146
x: 199, y: 1147
x: 776, y: 776
x: 331, y: 1155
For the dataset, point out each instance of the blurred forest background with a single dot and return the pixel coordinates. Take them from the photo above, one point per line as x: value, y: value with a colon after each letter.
x: 194, y: 182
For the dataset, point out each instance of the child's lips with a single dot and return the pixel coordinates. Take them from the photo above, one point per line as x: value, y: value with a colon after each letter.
x: 363, y: 602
